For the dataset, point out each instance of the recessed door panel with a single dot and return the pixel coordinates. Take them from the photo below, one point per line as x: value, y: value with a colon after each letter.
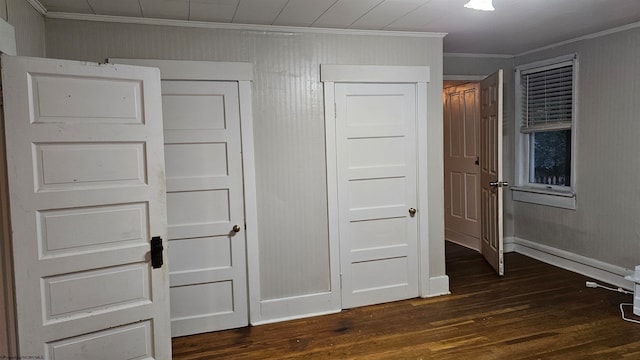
x: 205, y: 200
x: 462, y: 164
x: 87, y: 193
x: 376, y: 146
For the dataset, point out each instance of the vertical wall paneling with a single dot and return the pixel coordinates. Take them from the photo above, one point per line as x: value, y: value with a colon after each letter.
x: 288, y: 108
x: 29, y: 28
x: 605, y: 225
x: 21, y: 33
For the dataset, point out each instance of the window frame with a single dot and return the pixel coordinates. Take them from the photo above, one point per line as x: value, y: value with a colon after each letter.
x: 524, y: 190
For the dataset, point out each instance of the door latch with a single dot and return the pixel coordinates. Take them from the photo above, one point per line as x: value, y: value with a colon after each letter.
x: 156, y: 252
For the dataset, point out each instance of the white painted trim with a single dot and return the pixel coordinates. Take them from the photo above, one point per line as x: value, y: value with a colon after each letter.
x: 296, y: 307
x: 332, y: 194
x: 250, y: 199
x: 584, y: 37
x: 469, y: 55
x: 7, y: 38
x: 509, y: 245
x: 374, y: 73
x: 419, y: 75
x: 8, y: 321
x: 522, y: 189
x: 463, y: 77
x: 36, y: 4
x: 564, y: 200
x: 422, y: 191
x: 195, y: 70
x: 243, y: 74
x: 229, y: 26
x: 438, y: 286
x: 592, y: 268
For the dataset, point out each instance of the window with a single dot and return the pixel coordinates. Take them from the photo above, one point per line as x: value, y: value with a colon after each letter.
x: 546, y: 93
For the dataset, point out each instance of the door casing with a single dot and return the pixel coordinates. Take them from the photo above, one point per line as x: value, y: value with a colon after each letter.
x: 243, y: 74
x: 419, y: 75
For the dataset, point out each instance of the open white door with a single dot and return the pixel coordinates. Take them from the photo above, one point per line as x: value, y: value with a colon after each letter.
x: 87, y: 195
x: 491, y: 170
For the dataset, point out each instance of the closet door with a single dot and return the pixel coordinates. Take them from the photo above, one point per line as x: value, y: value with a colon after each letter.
x: 205, y: 204
x: 88, y: 214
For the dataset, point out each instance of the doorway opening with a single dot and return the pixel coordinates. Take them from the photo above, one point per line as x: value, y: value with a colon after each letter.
x: 462, y: 163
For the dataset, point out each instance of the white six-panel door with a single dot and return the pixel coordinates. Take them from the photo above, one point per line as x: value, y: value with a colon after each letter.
x: 376, y: 158
x: 462, y: 164
x: 208, y: 271
x: 87, y: 193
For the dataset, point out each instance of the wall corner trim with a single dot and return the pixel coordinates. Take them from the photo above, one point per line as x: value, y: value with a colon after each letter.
x: 7, y: 38
x: 36, y: 4
x: 229, y: 26
x: 374, y: 73
x: 438, y: 286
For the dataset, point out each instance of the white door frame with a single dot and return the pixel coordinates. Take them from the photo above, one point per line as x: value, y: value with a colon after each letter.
x: 243, y: 74
x: 418, y: 75
x: 8, y: 331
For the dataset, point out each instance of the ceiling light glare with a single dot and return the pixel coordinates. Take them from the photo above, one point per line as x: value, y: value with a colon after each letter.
x: 484, y: 5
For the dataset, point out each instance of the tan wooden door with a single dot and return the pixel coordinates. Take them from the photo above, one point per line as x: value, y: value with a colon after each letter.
x: 377, y: 192
x: 461, y: 164
x: 491, y: 168
x: 87, y: 193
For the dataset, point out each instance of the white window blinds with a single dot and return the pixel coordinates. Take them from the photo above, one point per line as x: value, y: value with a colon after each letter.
x: 547, y: 97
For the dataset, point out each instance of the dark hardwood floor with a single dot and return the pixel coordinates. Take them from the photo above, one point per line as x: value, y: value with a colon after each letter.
x: 536, y: 311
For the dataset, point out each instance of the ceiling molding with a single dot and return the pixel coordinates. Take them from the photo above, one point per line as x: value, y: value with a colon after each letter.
x: 38, y: 6
x: 469, y: 55
x: 584, y: 37
x: 228, y: 26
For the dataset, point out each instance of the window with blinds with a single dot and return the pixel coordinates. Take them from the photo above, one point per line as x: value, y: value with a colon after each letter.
x: 546, y: 107
x: 547, y: 98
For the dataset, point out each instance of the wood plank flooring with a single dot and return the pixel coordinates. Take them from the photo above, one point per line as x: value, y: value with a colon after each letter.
x: 536, y: 311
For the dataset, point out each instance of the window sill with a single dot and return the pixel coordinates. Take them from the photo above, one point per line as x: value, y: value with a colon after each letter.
x: 555, y: 198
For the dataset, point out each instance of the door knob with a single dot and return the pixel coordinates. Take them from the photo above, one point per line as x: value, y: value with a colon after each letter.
x: 236, y: 228
x: 412, y: 212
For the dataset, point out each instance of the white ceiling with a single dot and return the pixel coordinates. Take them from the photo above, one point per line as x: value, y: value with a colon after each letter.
x: 515, y: 26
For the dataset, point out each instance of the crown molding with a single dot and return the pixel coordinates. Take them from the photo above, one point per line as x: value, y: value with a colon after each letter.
x: 36, y: 4
x: 229, y: 26
x: 470, y: 55
x: 584, y: 37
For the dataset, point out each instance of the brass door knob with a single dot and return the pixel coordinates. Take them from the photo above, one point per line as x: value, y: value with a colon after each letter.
x: 236, y: 228
x: 412, y: 212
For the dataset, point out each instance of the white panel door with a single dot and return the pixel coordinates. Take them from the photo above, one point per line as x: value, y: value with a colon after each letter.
x: 87, y: 193
x: 491, y: 170
x: 376, y: 150
x: 462, y: 164
x: 208, y: 272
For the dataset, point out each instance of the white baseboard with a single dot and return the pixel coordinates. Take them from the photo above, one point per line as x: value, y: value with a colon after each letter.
x: 592, y: 268
x: 297, y: 307
x: 509, y: 244
x: 437, y: 286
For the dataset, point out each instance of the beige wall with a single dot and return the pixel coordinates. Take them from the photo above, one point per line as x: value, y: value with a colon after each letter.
x: 28, y: 24
x: 606, y: 224
x: 455, y: 64
x: 288, y: 125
